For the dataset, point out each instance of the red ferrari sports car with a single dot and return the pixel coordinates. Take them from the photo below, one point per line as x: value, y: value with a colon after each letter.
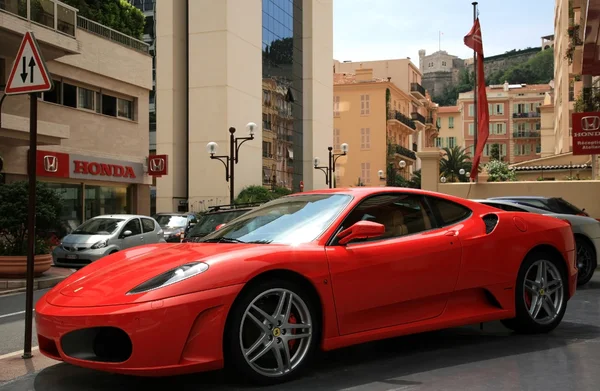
x: 315, y: 270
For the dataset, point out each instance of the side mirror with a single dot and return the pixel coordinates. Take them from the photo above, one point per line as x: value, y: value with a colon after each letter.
x: 219, y: 227
x: 127, y: 233
x: 361, y: 230
x: 192, y: 224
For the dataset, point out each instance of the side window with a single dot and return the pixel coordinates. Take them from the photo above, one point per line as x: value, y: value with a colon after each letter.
x: 508, y: 208
x: 134, y: 226
x: 401, y: 214
x: 449, y: 212
x: 148, y: 225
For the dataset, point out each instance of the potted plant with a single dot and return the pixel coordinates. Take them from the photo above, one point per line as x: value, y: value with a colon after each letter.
x: 13, y: 228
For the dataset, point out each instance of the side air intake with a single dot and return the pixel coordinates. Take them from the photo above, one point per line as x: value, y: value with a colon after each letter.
x: 490, y: 221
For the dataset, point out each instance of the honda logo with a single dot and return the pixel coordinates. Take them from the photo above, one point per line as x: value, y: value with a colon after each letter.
x: 50, y: 163
x: 157, y: 164
x: 590, y: 123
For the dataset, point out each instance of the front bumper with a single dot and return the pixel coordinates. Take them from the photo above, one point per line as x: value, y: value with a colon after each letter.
x: 572, y: 271
x: 596, y: 243
x: 62, y: 257
x: 173, y: 336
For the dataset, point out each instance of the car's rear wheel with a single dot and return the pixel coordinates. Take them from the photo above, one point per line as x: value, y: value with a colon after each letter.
x: 586, y: 261
x: 273, y: 332
x: 540, y: 295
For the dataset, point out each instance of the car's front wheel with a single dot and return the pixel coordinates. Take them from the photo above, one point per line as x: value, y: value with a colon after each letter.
x: 540, y: 295
x: 273, y: 331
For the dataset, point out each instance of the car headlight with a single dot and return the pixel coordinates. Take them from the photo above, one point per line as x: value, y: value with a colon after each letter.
x: 180, y: 273
x: 100, y: 244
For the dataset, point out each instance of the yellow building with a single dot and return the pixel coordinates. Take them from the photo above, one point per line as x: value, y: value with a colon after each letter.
x: 451, y: 127
x: 382, y: 124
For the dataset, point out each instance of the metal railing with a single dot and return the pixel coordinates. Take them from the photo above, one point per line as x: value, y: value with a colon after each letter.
x: 531, y: 114
x: 416, y: 87
x: 398, y: 116
x: 51, y: 14
x: 417, y: 117
x: 399, y: 149
x: 112, y: 35
x: 526, y: 134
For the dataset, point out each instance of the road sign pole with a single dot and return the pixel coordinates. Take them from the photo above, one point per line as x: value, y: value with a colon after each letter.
x: 31, y: 224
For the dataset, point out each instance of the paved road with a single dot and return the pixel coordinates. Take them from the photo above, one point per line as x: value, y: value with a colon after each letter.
x: 12, y: 321
x: 452, y: 360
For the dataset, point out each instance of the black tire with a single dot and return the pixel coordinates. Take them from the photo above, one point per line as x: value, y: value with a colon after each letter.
x: 523, y: 322
x: 586, y: 261
x: 235, y: 360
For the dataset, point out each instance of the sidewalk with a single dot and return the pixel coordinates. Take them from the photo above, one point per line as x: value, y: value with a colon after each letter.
x: 46, y: 280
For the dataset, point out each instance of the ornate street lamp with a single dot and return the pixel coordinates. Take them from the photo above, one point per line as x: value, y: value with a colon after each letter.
x: 229, y: 161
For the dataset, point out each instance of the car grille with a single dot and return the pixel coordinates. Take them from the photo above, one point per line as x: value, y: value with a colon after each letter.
x: 73, y: 261
x: 74, y: 248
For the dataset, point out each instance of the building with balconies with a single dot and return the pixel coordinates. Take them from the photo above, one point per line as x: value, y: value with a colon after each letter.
x: 451, y: 127
x: 515, y: 121
x: 93, y: 124
x: 382, y: 125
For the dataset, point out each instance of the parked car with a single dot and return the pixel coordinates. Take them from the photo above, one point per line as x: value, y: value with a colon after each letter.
x: 104, y: 235
x: 216, y: 216
x: 551, y: 204
x: 176, y: 225
x: 321, y: 269
x: 585, y: 229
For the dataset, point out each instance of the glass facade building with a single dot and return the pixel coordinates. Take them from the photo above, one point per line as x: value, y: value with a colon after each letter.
x: 282, y: 93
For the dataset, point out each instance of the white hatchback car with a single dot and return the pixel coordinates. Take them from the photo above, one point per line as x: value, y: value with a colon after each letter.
x: 585, y: 229
x: 104, y: 235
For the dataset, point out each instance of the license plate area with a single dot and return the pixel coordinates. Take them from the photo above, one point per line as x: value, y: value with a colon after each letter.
x: 72, y: 256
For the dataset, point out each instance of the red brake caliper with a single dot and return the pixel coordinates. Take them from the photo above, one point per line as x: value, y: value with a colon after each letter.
x: 292, y: 320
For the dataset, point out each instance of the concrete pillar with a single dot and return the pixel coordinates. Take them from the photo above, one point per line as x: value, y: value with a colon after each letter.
x: 430, y: 168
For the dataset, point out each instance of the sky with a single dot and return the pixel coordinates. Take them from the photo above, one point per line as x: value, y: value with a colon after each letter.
x: 365, y: 30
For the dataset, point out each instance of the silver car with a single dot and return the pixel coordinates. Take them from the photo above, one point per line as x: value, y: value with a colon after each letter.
x: 104, y: 235
x: 585, y: 229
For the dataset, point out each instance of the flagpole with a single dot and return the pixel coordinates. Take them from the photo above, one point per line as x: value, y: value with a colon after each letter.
x: 475, y: 128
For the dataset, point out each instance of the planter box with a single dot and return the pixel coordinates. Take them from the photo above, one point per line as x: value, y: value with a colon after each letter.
x: 16, y: 267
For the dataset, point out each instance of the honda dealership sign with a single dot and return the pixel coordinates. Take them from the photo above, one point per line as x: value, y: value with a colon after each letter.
x: 586, y: 133
x: 64, y: 165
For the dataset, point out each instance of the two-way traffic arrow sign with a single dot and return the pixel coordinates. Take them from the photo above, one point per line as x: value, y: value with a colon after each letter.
x: 29, y: 65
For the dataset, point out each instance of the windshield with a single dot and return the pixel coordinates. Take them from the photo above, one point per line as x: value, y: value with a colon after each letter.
x: 287, y: 220
x: 98, y: 226
x: 209, y: 222
x: 171, y: 220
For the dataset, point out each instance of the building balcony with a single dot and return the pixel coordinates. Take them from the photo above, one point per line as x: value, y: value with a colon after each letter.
x: 52, y: 22
x: 417, y: 117
x: 112, y: 35
x: 397, y: 118
x: 417, y: 91
x: 530, y: 115
x: 14, y: 131
x: 402, y: 151
x: 526, y: 134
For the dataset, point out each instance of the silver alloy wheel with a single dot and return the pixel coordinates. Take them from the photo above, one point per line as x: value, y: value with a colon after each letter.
x: 276, y: 332
x: 543, y: 291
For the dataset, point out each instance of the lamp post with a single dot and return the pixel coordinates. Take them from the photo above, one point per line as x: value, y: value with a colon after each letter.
x: 333, y: 157
x: 316, y: 162
x: 229, y: 161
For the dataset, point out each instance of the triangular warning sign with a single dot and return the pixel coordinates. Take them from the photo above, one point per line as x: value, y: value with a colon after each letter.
x: 29, y: 73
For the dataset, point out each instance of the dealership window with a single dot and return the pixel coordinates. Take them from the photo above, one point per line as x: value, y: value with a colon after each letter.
x: 72, y: 203
x: 100, y: 200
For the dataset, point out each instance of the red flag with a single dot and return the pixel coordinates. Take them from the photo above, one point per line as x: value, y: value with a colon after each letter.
x: 474, y: 41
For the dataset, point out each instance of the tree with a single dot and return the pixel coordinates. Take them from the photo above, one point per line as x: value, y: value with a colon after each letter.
x: 455, y: 159
x: 116, y: 14
x: 500, y: 172
x: 260, y: 194
x: 539, y: 69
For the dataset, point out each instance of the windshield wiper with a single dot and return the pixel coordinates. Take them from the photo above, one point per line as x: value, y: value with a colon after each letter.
x: 223, y: 240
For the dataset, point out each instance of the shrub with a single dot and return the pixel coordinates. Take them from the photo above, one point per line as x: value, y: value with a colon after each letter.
x: 14, y: 199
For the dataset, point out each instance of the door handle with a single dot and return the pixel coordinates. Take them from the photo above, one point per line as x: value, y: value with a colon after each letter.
x: 451, y: 233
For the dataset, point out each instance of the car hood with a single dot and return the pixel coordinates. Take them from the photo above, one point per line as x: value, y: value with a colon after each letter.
x: 83, y: 239
x: 108, y: 280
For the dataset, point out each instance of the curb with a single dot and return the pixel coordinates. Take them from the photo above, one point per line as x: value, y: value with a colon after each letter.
x: 18, y: 286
